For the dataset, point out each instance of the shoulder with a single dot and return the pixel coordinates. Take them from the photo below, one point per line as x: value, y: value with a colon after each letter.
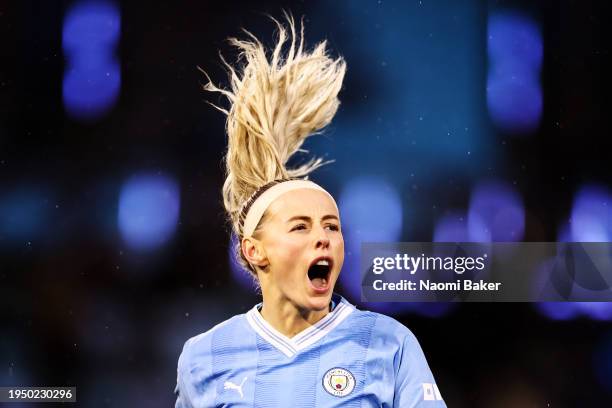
x: 195, y: 364
x: 201, y: 344
x: 229, y: 324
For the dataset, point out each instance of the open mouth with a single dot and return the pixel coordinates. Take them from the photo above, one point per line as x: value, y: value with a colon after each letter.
x: 319, y: 272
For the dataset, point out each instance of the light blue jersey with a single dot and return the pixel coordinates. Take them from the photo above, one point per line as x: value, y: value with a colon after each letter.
x: 350, y: 358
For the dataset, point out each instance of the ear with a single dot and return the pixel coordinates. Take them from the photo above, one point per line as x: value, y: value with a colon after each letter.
x: 253, y: 251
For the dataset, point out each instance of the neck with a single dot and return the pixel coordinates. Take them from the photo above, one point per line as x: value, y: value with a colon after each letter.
x: 288, y: 318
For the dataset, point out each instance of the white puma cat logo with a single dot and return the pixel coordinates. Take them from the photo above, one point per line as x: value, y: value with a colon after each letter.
x: 228, y: 385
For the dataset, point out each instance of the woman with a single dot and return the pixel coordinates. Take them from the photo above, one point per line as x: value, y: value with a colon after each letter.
x: 303, y: 346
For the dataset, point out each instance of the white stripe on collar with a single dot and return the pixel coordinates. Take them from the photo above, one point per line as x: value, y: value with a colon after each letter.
x: 291, y: 346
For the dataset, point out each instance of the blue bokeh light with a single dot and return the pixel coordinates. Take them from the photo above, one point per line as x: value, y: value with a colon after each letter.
x: 558, y: 310
x: 515, y: 104
x: 90, y: 25
x: 500, y: 208
x: 92, y: 80
x: 596, y: 310
x: 453, y: 227
x: 514, y: 94
x: 570, y: 310
x: 371, y: 209
x: 90, y: 92
x: 148, y: 210
x: 515, y: 37
x: 591, y: 219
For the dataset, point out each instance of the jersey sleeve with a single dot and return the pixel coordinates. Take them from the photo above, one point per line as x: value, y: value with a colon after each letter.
x: 193, y: 388
x: 415, y: 386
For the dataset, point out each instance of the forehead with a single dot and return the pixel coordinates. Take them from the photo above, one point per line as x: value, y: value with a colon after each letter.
x: 307, y: 202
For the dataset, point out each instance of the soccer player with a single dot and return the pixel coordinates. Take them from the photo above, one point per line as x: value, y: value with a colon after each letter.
x: 303, y: 346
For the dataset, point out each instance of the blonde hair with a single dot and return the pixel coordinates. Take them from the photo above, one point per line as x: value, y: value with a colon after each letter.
x: 275, y: 105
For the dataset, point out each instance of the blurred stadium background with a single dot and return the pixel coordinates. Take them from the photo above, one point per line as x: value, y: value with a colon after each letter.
x: 469, y: 121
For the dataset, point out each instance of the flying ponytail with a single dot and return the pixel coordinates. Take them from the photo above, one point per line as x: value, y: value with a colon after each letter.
x: 274, y: 106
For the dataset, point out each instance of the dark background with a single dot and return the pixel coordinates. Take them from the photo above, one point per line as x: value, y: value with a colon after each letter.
x: 80, y: 307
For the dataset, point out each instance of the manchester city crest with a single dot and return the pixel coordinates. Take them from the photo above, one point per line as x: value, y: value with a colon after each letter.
x: 338, y: 382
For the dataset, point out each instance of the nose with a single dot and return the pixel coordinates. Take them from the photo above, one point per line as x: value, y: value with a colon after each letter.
x: 322, y: 238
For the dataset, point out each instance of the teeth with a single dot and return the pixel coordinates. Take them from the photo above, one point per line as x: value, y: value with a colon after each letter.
x: 322, y: 262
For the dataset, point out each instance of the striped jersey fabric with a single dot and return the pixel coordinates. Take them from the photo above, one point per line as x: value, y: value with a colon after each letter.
x: 350, y: 358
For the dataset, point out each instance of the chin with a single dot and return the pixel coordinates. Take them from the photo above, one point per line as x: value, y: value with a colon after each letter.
x: 320, y: 302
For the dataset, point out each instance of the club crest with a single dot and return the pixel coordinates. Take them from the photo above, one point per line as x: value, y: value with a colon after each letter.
x: 338, y: 382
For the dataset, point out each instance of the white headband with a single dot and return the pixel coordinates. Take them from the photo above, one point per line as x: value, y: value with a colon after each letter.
x: 262, y: 202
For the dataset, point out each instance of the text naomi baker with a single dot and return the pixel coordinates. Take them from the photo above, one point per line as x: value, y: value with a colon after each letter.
x: 465, y: 284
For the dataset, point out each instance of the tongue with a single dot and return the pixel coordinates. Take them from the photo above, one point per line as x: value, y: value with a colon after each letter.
x: 319, y: 282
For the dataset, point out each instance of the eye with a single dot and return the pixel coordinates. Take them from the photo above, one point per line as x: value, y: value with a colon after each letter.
x: 332, y: 227
x: 299, y: 227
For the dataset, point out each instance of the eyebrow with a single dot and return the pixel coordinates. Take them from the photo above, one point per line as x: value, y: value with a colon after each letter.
x: 308, y: 219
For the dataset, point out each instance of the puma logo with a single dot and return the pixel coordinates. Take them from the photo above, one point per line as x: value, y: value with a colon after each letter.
x: 228, y: 385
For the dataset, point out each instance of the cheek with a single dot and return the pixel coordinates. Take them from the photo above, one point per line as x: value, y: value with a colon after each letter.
x: 340, y: 242
x: 289, y: 267
x: 339, y: 252
x: 287, y: 253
